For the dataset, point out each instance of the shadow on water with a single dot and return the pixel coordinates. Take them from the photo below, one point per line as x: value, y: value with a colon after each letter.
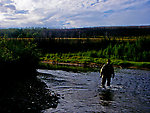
x: 106, y: 97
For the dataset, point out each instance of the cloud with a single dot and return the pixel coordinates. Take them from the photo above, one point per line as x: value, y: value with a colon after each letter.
x: 73, y: 13
x: 21, y: 12
x: 11, y: 7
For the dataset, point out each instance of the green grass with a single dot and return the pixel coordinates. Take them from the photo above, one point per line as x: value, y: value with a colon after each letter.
x: 83, y: 59
x: 131, y: 63
x: 66, y: 68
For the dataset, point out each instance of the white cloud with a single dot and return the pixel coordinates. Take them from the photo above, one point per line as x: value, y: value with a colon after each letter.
x: 72, y: 13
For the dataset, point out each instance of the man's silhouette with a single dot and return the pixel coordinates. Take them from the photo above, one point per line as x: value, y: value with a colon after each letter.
x: 106, y: 73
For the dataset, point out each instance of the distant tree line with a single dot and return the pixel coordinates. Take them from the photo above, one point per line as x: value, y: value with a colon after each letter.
x: 95, y: 32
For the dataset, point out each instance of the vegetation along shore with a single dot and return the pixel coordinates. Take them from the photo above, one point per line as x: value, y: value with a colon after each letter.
x: 125, y: 54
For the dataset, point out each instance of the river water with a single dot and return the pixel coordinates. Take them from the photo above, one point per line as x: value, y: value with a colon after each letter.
x: 81, y: 92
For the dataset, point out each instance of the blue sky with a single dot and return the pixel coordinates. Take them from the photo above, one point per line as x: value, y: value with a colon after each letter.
x: 73, y: 13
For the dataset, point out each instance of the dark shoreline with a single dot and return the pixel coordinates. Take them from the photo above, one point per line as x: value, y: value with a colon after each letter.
x: 25, y: 95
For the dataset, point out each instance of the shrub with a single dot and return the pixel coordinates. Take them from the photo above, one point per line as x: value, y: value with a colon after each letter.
x: 18, y: 57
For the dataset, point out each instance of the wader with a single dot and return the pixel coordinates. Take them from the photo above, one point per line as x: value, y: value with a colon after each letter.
x: 106, y: 71
x: 104, y: 78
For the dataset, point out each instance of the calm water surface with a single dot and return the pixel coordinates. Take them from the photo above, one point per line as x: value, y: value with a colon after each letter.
x: 81, y: 92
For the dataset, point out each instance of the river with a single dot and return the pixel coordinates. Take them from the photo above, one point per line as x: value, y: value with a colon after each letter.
x: 80, y: 92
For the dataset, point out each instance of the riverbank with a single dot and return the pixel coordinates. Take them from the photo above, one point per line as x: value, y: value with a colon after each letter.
x: 25, y: 96
x: 20, y: 90
x: 77, y: 65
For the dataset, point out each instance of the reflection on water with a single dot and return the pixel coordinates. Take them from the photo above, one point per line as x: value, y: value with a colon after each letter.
x: 106, y: 96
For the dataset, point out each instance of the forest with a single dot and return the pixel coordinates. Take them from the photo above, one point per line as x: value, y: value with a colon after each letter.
x: 94, y: 32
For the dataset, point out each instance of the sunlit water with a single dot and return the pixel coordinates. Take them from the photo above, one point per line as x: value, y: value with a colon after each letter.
x: 81, y: 92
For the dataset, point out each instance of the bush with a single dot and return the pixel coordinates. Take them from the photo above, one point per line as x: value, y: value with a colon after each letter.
x: 18, y: 57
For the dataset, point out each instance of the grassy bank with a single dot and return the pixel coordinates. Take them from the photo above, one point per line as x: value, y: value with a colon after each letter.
x: 66, y: 67
x: 89, y: 61
x: 125, y: 54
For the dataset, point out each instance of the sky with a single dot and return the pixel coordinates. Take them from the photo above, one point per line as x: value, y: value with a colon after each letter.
x: 73, y: 13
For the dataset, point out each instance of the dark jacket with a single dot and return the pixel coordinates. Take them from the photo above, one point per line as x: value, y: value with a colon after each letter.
x: 107, y: 70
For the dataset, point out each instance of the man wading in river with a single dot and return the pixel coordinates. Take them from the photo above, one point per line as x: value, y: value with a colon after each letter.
x: 106, y: 73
